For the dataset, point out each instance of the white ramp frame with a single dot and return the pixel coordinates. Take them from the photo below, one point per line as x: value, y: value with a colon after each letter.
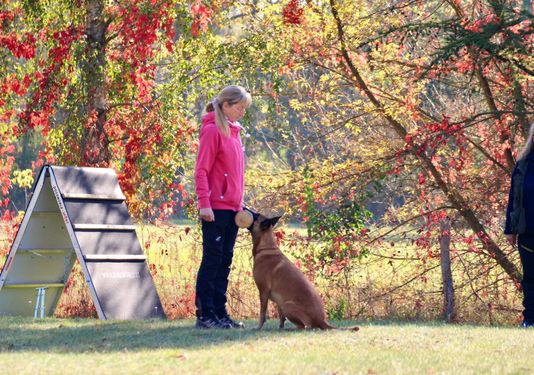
x: 39, y: 236
x: 22, y: 227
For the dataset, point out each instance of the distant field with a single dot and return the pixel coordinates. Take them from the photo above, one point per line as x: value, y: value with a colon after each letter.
x: 87, y: 346
x: 388, y: 283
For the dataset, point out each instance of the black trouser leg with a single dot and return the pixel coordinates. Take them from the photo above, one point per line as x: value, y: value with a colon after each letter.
x: 221, y: 279
x: 526, y: 253
x: 218, y: 239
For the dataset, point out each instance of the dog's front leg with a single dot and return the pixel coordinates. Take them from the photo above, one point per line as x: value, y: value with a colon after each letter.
x: 264, y: 299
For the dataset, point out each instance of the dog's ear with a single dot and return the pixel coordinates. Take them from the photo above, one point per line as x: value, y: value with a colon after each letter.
x: 267, y: 223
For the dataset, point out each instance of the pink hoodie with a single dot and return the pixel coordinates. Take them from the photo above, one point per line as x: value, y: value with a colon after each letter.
x: 220, y: 167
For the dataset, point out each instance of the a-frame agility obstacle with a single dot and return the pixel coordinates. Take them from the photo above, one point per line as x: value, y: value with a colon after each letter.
x: 78, y: 213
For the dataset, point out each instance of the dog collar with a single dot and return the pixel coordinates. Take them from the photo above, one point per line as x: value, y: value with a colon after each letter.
x: 268, y: 251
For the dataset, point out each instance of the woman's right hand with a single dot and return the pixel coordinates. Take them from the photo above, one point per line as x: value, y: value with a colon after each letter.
x: 206, y: 214
x: 512, y: 239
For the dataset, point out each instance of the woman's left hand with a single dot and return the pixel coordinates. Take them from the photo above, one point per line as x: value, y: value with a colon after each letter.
x: 512, y: 239
x: 206, y: 214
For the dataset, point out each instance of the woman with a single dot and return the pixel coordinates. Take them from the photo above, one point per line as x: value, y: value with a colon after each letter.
x: 219, y: 185
x: 519, y: 228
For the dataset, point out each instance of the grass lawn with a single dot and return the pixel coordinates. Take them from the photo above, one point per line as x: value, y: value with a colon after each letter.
x: 86, y: 346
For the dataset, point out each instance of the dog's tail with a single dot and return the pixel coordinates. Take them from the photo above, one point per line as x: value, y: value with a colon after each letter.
x: 328, y: 326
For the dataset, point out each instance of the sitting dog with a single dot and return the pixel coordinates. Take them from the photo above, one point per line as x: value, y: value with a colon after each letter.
x: 279, y: 280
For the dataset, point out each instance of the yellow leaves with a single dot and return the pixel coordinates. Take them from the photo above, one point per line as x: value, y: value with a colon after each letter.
x: 380, y: 75
x: 55, y: 138
x: 263, y: 107
x: 5, y: 126
x: 23, y: 178
x: 296, y: 104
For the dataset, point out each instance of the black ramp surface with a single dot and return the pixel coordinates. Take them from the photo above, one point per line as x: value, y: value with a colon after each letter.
x: 97, y: 212
x: 125, y: 290
x: 98, y: 181
x: 114, y: 258
x: 109, y: 242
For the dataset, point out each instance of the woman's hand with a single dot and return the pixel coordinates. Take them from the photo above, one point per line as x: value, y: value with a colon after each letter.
x: 206, y: 214
x: 512, y: 239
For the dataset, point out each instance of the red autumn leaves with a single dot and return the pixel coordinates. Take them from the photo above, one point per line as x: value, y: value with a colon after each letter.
x: 202, y: 15
x: 293, y: 13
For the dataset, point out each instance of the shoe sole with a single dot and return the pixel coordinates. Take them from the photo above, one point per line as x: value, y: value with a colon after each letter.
x: 208, y: 327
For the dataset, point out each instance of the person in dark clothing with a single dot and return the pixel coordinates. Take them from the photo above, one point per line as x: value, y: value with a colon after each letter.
x: 519, y: 227
x: 219, y: 185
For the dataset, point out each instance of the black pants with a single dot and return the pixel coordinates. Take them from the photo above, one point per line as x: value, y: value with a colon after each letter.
x: 526, y: 252
x: 218, y: 240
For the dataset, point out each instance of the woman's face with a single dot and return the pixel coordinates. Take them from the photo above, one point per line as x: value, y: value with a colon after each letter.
x: 234, y: 112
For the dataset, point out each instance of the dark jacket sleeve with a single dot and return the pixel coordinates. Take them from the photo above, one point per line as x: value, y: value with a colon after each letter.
x: 510, y: 207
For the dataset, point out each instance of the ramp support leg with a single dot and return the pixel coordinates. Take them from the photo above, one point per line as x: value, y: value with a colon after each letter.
x: 40, y: 303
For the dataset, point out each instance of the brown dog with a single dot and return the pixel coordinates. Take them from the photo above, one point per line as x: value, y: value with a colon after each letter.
x: 279, y: 280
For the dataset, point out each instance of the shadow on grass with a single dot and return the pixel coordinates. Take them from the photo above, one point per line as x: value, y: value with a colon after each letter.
x: 87, y: 335
x: 90, y: 335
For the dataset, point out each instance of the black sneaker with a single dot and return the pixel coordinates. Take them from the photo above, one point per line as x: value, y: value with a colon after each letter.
x: 207, y: 323
x: 231, y: 323
x: 527, y: 324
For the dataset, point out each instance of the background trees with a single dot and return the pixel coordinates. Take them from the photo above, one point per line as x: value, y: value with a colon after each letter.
x: 373, y: 122
x: 429, y: 101
x: 80, y: 82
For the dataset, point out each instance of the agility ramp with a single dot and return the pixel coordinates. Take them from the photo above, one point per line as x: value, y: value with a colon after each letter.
x: 78, y: 213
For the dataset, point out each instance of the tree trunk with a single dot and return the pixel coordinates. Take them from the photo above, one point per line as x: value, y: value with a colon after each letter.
x: 520, y: 109
x: 446, y: 272
x: 95, y: 150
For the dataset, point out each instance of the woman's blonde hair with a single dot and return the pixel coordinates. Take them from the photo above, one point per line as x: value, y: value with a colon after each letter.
x: 528, y: 146
x: 232, y: 94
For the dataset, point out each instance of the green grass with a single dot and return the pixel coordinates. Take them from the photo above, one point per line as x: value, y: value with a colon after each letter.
x: 86, y: 346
